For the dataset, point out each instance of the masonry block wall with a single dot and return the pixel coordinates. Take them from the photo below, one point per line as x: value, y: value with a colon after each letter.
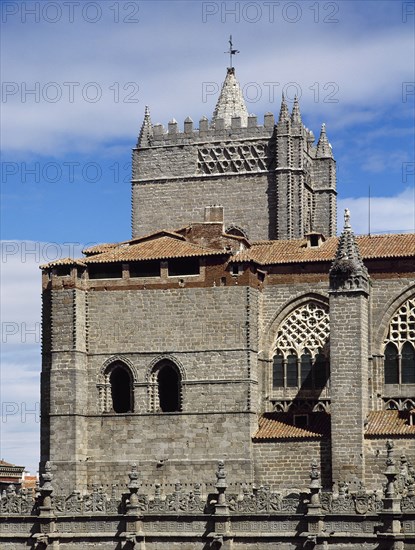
x: 64, y: 383
x: 279, y: 464
x: 210, y: 332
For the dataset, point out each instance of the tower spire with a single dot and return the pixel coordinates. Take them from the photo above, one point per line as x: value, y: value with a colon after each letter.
x: 231, y: 102
x: 284, y: 112
x: 146, y: 132
x: 296, y: 114
x: 323, y: 145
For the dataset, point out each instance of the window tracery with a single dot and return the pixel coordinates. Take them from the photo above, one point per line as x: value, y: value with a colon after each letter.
x: 399, y: 346
x: 301, y: 348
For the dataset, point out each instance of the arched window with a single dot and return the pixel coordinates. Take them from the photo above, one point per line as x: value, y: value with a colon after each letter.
x: 120, y: 381
x: 301, y: 358
x: 169, y: 386
x: 408, y: 363
x: 399, y: 351
x: 391, y: 364
x: 278, y: 370
x: 165, y: 386
x: 115, y: 387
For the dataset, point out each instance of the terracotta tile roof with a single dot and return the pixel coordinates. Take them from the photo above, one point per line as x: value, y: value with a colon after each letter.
x: 164, y: 247
x: 281, y: 426
x: 274, y: 426
x: 98, y: 248
x: 64, y: 261
x: 390, y: 423
x: 295, y: 251
x: 4, y: 463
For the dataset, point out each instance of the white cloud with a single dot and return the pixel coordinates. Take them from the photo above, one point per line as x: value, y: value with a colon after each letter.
x: 20, y: 346
x: 368, y: 70
x: 387, y: 214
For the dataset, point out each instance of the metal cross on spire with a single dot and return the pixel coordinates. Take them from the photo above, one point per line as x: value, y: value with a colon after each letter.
x: 231, y: 52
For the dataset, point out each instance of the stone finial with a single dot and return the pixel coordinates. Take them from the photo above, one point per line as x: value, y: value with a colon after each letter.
x: 46, y: 491
x: 146, y: 132
x: 47, y: 478
x: 315, y: 484
x: 296, y: 114
x: 390, y: 471
x: 348, y: 271
x: 221, y: 507
x: 133, y: 475
x: 284, y: 112
x: 133, y: 487
x: 221, y: 475
x: 231, y: 103
x: 323, y: 146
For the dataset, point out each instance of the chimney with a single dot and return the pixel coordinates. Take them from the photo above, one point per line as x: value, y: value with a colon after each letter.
x: 214, y: 213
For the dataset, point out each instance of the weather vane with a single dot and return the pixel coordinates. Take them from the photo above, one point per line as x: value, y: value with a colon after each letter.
x: 231, y: 52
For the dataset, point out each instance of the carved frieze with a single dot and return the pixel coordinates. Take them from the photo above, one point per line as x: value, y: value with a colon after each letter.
x: 239, y: 157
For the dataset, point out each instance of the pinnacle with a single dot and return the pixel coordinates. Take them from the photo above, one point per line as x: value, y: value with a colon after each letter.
x: 348, y: 271
x: 284, y: 112
x: 231, y: 102
x: 146, y: 132
x: 323, y: 145
x: 296, y: 114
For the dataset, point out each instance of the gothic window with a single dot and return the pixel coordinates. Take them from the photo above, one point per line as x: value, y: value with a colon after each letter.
x: 165, y: 387
x: 116, y: 388
x: 399, y: 350
x: 301, y: 356
x: 169, y: 388
x: 120, y: 390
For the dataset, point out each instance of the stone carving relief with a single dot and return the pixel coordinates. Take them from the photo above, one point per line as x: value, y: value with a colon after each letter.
x: 240, y: 157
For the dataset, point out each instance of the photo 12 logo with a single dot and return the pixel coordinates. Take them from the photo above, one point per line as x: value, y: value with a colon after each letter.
x: 69, y: 92
x: 271, y: 92
x: 70, y: 12
x: 270, y: 12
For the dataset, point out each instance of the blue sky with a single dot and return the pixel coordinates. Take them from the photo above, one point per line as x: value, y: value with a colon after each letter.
x: 77, y: 76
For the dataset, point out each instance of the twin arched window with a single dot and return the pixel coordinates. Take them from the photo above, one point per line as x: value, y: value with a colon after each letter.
x: 399, y: 351
x: 165, y: 385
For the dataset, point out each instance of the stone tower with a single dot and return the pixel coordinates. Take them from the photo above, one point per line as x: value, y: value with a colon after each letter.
x: 273, y: 182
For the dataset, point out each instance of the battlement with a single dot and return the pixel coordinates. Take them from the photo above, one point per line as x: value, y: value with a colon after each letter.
x: 173, y: 135
x: 158, y: 135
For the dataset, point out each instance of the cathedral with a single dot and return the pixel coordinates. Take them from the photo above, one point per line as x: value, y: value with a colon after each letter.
x: 235, y: 376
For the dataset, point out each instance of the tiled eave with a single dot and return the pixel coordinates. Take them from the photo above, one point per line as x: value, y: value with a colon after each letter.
x: 280, y: 426
x: 376, y: 247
